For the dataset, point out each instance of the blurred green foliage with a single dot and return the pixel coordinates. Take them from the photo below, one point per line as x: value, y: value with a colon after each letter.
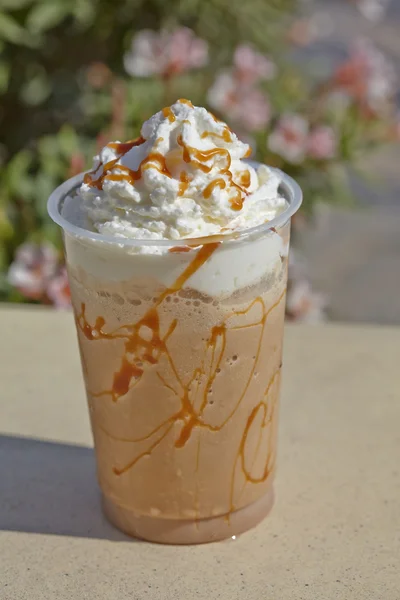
x: 49, y: 112
x: 64, y: 92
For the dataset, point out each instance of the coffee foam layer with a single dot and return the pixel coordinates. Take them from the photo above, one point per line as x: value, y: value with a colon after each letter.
x: 231, y: 267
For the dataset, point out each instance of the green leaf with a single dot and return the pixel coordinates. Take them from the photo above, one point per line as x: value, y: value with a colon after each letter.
x: 51, y: 161
x: 17, y: 169
x: 11, y: 31
x: 45, y: 16
x: 36, y: 90
x: 4, y: 285
x: 51, y: 233
x: 6, y: 228
x: 44, y: 185
x: 84, y: 12
x: 68, y: 141
x: 48, y: 146
x: 14, y: 4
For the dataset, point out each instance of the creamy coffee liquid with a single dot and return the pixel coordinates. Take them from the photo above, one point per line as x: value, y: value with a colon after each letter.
x: 182, y: 390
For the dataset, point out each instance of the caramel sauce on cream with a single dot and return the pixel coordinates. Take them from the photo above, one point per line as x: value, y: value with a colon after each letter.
x: 184, y: 101
x: 245, y: 178
x: 226, y: 135
x: 124, y: 147
x: 184, y: 181
x: 167, y: 112
x: 221, y: 183
x: 198, y: 159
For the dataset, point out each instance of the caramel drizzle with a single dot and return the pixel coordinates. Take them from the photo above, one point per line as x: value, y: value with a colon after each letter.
x: 226, y: 135
x: 237, y: 201
x: 245, y: 178
x: 203, y: 156
x: 201, y: 257
x: 267, y: 418
x: 142, y: 349
x: 184, y: 101
x: 196, y: 158
x: 168, y: 113
x: 124, y: 147
x: 184, y: 181
x: 149, y: 351
x: 154, y: 160
x: 177, y: 249
x: 269, y: 408
x: 221, y: 183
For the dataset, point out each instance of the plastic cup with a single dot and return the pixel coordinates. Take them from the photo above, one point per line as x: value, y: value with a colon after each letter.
x: 181, y: 356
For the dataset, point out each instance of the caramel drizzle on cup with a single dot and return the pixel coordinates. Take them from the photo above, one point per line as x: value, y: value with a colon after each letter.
x: 149, y: 351
x: 134, y: 341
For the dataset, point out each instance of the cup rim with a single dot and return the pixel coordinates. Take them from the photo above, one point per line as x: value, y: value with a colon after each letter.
x: 288, y: 187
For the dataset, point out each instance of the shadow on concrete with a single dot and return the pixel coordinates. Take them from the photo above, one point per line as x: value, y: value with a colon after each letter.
x: 51, y: 488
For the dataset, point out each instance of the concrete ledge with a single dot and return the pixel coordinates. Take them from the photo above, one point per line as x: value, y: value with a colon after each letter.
x: 333, y: 532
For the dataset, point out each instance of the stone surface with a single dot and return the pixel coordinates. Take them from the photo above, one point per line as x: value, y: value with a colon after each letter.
x: 333, y: 534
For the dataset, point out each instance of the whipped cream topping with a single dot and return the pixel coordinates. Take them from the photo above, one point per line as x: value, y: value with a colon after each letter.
x: 184, y: 177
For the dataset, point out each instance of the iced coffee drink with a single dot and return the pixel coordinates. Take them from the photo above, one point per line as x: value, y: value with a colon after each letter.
x: 176, y: 249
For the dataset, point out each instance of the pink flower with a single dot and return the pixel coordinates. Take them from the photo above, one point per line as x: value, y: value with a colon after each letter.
x: 33, y: 266
x: 165, y: 54
x: 251, y: 66
x: 289, y: 138
x: 246, y: 106
x: 322, y: 143
x: 252, y: 110
x: 234, y: 93
x: 368, y: 76
x: 58, y: 290
x: 306, y: 31
x: 300, y: 33
x: 303, y: 304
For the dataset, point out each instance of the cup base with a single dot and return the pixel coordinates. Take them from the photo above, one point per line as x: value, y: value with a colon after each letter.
x: 181, y: 531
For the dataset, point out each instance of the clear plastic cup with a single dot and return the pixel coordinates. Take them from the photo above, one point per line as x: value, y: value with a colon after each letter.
x: 181, y: 355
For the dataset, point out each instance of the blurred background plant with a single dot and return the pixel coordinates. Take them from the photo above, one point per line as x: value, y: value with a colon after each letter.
x: 75, y: 74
